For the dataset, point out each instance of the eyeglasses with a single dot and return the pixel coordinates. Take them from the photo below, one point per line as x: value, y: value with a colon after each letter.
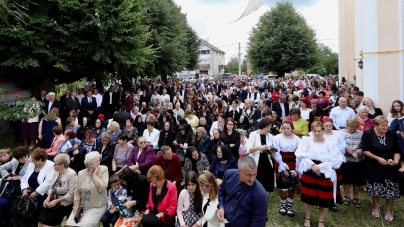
x: 58, y: 164
x: 142, y: 142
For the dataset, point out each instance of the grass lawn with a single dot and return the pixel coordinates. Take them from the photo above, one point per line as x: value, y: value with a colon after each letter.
x: 347, y: 215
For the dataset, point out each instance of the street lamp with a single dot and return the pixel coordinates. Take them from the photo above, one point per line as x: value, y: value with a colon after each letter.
x: 360, y: 64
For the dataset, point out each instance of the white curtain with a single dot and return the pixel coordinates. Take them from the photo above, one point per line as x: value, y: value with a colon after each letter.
x: 252, y: 6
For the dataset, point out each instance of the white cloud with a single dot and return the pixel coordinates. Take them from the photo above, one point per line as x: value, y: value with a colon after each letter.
x: 213, y: 22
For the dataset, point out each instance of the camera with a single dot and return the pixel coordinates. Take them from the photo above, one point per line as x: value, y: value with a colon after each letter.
x: 271, y: 149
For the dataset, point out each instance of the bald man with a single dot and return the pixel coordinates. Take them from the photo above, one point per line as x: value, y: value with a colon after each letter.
x: 341, y: 114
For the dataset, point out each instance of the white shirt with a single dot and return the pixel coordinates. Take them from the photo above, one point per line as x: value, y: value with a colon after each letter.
x: 340, y: 116
x: 164, y: 97
x: 50, y: 106
x: 80, y: 97
x: 110, y: 97
x: 283, y: 109
x: 98, y: 98
x: 152, y: 137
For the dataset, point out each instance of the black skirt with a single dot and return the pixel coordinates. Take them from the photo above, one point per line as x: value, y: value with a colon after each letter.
x: 353, y: 173
x: 52, y: 217
x: 265, y: 173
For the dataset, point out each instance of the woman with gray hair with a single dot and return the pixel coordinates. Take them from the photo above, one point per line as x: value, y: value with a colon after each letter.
x: 91, y: 192
x: 203, y: 141
x: 114, y: 132
x: 62, y: 187
x: 106, y: 149
x: 362, y: 117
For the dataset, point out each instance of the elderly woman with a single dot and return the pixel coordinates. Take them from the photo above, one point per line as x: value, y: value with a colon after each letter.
x: 381, y: 148
x: 114, y: 132
x: 98, y: 130
x: 35, y: 184
x: 219, y: 125
x: 243, y: 141
x: 203, y: 123
x: 316, y: 160
x: 57, y: 141
x: 167, y: 135
x: 130, y: 131
x: 152, y: 135
x: 90, y: 194
x: 106, y: 150
x: 165, y: 206
x: 60, y: 193
x: 215, y: 143
x: 141, y: 157
x: 300, y: 124
x: 222, y: 162
x: 89, y: 143
x: 13, y: 170
x: 362, y: 117
x: 184, y: 138
x: 202, y: 140
x: 353, y: 170
x: 121, y: 154
x: 72, y: 125
x: 373, y: 111
x: 81, y: 132
x: 195, y: 161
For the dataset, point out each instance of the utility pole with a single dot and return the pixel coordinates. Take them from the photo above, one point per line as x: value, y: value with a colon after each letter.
x: 239, y: 60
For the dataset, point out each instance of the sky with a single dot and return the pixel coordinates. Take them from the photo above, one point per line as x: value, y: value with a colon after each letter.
x: 213, y: 20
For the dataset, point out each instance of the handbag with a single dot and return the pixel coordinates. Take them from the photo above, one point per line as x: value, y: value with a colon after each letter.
x: 24, y: 206
x: 288, y: 180
x: 10, y: 188
x: 79, y: 212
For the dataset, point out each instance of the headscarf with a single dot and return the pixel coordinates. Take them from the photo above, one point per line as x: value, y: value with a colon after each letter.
x: 226, y: 153
x: 188, y: 154
x: 289, y: 119
x: 325, y: 119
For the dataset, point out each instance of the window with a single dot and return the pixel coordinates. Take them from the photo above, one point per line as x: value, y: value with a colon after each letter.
x: 204, y: 52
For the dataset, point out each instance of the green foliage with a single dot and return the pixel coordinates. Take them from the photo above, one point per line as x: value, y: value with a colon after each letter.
x: 11, y: 9
x: 232, y: 66
x: 18, y: 111
x: 61, y: 88
x: 327, y: 61
x: 282, y: 41
x: 75, y: 39
x: 175, y: 43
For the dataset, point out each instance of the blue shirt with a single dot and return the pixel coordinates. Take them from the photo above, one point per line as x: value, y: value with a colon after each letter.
x: 243, y: 205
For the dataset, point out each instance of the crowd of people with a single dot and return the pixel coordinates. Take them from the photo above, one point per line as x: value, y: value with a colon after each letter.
x: 204, y: 153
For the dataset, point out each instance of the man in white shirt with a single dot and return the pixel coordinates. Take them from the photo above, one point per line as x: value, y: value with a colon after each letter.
x: 341, y: 114
x: 98, y: 98
x: 178, y: 111
x: 80, y: 95
x: 164, y: 96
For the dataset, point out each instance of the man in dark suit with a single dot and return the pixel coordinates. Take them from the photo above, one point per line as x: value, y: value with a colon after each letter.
x: 173, y: 92
x: 63, y: 111
x: 262, y: 106
x: 218, y: 86
x: 52, y: 103
x: 72, y: 103
x: 183, y: 91
x: 109, y: 102
x: 89, y: 106
x: 120, y: 97
x: 127, y: 102
x: 121, y: 117
x: 281, y: 107
x: 42, y: 97
x: 149, y: 94
x: 242, y: 93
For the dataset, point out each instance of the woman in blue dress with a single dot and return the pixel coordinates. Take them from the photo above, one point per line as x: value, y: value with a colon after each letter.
x: 46, y: 125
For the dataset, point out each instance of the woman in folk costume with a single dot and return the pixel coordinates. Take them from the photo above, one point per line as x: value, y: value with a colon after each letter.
x: 317, y: 157
x: 286, y: 143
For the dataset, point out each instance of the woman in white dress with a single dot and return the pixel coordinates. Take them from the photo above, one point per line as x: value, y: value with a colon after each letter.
x: 210, y: 190
x: 286, y: 143
x: 339, y: 138
x: 317, y: 157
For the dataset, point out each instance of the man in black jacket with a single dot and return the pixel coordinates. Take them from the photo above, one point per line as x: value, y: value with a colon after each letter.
x: 52, y: 103
x: 281, y: 107
x: 109, y: 102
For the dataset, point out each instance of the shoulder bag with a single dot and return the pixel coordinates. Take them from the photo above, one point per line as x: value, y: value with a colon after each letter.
x: 24, y: 206
x: 10, y: 188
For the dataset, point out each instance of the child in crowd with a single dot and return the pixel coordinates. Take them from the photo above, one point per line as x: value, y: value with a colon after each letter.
x: 5, y: 155
x: 112, y: 215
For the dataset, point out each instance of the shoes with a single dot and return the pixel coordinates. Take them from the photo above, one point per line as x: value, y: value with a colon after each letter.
x: 320, y: 223
x: 29, y: 148
x: 282, y: 210
x: 375, y: 214
x: 388, y: 218
x: 347, y: 200
x: 335, y: 209
x: 289, y: 210
x: 307, y: 219
x: 356, y: 203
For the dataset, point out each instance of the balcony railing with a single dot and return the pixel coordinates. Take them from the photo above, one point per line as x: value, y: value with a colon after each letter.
x: 204, y: 66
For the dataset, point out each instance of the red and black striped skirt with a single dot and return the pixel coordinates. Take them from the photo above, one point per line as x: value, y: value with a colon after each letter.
x: 318, y: 190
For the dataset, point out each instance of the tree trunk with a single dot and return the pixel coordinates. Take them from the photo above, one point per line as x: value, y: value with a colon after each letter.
x: 99, y: 85
x: 281, y: 73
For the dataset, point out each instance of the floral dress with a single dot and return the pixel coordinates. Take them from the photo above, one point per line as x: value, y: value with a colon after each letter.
x: 190, y: 217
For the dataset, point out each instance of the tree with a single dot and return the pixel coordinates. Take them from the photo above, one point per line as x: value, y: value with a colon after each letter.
x: 176, y: 44
x: 327, y: 61
x: 232, y: 66
x: 9, y: 8
x: 69, y: 40
x: 282, y: 41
